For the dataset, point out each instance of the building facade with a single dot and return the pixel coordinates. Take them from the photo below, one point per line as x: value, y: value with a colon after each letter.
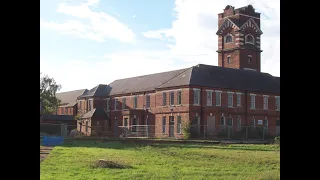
x: 233, y: 95
x: 68, y: 104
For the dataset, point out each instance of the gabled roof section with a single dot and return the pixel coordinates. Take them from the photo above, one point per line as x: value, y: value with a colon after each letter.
x: 69, y: 98
x: 100, y: 90
x: 97, y: 113
x: 228, y: 22
x: 251, y: 23
x: 143, y: 83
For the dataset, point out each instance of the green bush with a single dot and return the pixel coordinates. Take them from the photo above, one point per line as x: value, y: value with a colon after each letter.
x: 186, y: 131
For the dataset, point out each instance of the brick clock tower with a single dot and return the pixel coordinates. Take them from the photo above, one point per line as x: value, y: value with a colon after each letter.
x: 239, y: 38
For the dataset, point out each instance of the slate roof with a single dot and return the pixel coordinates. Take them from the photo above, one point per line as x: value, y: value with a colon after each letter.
x: 142, y: 83
x: 202, y: 75
x: 100, y: 90
x: 58, y: 117
x: 69, y: 98
x: 96, y: 112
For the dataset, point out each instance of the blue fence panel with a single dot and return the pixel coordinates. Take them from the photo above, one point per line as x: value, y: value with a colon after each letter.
x: 52, y: 141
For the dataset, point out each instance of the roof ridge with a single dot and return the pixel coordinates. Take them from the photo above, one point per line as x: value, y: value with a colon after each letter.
x: 71, y: 91
x: 148, y: 74
x: 175, y: 77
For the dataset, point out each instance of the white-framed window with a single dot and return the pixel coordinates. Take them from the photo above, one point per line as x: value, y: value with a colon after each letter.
x: 238, y: 123
x: 228, y: 38
x: 135, y: 102
x: 62, y: 111
x: 249, y: 59
x: 124, y: 103
x: 115, y: 104
x: 179, y: 124
x: 230, y: 99
x: 108, y: 104
x: 252, y: 122
x: 209, y: 98
x: 218, y: 98
x: 196, y: 96
x: 252, y: 101
x: 179, y: 96
x: 277, y: 103
x: 171, y: 98
x: 238, y: 99
x: 66, y: 110
x: 229, y: 59
x: 164, y: 99
x: 249, y: 39
x: 265, y: 102
x: 164, y: 121
x: 147, y: 101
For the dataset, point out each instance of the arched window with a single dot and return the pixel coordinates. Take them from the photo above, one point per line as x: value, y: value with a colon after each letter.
x: 249, y: 39
x: 228, y: 39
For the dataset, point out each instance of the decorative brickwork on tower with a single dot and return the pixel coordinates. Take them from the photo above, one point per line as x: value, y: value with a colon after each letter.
x: 239, y: 38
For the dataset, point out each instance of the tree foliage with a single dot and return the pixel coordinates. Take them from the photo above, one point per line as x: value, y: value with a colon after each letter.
x: 48, y: 89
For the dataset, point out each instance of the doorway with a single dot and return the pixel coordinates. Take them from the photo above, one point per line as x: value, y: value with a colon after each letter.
x: 211, y: 125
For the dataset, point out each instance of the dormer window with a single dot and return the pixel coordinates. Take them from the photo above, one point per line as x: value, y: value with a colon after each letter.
x: 228, y: 38
x: 249, y: 39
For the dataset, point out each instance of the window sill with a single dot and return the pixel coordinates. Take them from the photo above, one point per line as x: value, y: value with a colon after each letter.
x: 196, y: 104
x: 230, y: 107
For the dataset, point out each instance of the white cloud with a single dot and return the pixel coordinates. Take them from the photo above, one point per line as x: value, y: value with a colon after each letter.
x: 194, y: 29
x: 97, y: 26
x: 191, y: 40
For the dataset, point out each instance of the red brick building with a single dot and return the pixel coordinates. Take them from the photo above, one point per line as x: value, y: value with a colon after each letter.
x: 234, y: 94
x: 68, y: 104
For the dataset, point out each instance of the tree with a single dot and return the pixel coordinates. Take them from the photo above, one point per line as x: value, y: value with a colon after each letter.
x: 48, y: 89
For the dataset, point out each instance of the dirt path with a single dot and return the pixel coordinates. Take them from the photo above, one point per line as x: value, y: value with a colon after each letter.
x: 44, y: 151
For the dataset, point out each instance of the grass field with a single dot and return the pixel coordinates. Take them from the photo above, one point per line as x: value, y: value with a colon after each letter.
x: 159, y: 161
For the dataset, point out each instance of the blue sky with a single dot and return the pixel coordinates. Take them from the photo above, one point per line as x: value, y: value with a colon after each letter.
x: 88, y: 42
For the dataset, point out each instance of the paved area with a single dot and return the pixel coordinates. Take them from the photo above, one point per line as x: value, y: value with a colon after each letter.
x: 44, y: 152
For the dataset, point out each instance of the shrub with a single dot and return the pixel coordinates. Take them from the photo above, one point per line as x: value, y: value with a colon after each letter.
x: 277, y: 140
x: 186, y: 131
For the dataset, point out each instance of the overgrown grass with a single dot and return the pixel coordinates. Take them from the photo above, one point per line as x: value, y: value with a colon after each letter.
x: 159, y: 161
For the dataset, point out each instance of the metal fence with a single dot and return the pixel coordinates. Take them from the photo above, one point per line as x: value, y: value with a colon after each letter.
x: 168, y: 131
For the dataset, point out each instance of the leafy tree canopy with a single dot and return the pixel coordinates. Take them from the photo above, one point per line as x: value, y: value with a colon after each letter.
x: 48, y: 89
